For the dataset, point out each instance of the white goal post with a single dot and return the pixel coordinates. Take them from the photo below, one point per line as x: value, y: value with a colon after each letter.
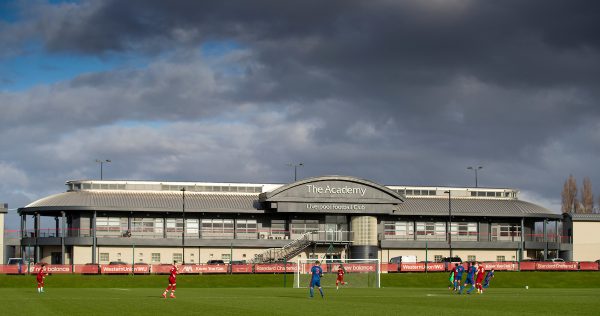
x: 359, y: 273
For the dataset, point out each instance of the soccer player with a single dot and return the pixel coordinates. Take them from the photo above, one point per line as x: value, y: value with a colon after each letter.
x: 41, y: 275
x: 340, y: 277
x: 315, y: 280
x: 172, y: 283
x: 458, y: 272
x: 471, y: 269
x: 479, y: 279
x: 487, y: 280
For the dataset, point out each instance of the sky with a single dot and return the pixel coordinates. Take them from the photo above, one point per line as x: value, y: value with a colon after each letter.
x: 404, y: 92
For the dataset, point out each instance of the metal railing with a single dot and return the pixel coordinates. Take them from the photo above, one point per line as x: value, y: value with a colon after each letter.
x: 300, y: 243
x: 477, y: 237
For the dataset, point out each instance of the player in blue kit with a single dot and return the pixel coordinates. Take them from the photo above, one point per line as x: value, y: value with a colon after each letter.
x: 488, y: 278
x: 315, y: 280
x: 458, y: 272
x: 471, y: 270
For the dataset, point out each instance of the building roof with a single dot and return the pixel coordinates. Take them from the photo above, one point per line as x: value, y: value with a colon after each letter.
x: 473, y: 207
x: 578, y: 217
x: 153, y: 201
x: 172, y: 201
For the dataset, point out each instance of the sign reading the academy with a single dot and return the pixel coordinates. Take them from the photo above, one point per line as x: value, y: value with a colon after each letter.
x: 333, y: 195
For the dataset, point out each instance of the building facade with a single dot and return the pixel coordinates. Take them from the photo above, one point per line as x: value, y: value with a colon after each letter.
x: 320, y: 217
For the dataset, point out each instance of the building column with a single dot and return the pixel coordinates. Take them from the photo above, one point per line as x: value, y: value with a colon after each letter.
x: 164, y: 227
x: 23, y: 226
x: 522, y: 242
x: 545, y: 239
x: 62, y: 237
x: 557, y: 238
x: 414, y: 230
x: 36, y: 224
x: 94, y: 241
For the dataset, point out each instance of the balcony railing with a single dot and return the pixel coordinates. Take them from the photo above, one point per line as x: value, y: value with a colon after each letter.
x: 476, y: 237
x: 245, y: 234
x: 266, y: 234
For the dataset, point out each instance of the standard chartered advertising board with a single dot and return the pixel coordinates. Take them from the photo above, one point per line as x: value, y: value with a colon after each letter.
x: 335, y: 197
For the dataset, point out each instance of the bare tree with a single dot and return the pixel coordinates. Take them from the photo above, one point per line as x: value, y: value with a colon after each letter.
x: 587, y: 197
x: 569, y: 195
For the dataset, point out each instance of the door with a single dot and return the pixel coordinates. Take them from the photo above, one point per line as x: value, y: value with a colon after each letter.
x: 56, y: 258
x: 330, y: 232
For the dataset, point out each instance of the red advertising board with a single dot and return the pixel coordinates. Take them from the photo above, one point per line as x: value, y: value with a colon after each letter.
x: 12, y: 269
x: 556, y: 266
x: 275, y: 268
x: 500, y: 266
x: 161, y: 268
x: 51, y: 268
x: 241, y: 268
x: 588, y: 266
x: 359, y: 267
x: 389, y: 267
x: 527, y: 266
x: 85, y: 269
x: 420, y: 267
x: 202, y: 268
x: 123, y: 269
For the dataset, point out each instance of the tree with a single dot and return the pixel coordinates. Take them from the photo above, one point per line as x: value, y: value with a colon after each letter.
x: 587, y: 197
x: 569, y: 195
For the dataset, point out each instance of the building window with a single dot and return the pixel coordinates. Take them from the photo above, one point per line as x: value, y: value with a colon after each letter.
x: 299, y: 227
x: 178, y: 257
x: 431, y: 230
x: 278, y: 227
x: 146, y: 227
x: 506, y: 232
x: 464, y: 231
x: 192, y: 227
x: 437, y: 258
x: 471, y: 258
x: 108, y: 226
x: 399, y: 230
x: 500, y: 258
x: 104, y: 258
x: 226, y: 257
x: 217, y: 228
x: 174, y: 227
x: 246, y: 229
x: 156, y: 257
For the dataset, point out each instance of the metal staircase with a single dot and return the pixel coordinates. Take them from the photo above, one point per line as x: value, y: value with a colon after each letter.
x: 286, y: 252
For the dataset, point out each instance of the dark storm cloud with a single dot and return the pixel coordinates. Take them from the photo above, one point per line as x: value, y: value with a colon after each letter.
x: 516, y: 42
x: 399, y: 92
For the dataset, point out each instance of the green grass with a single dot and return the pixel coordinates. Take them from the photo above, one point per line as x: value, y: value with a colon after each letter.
x: 549, y: 293
x: 413, y: 280
x: 273, y: 301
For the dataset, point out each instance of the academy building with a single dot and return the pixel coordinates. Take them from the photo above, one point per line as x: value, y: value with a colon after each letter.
x: 321, y: 217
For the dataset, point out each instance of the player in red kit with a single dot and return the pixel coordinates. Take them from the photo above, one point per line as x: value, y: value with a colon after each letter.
x: 41, y: 275
x: 479, y: 280
x: 172, y: 283
x: 340, y: 277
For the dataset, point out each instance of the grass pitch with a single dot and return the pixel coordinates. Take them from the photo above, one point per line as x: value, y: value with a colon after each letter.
x: 272, y: 301
x: 407, y: 294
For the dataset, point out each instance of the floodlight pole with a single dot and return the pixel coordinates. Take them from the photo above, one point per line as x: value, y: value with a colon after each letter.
x: 449, y: 220
x: 475, y: 169
x: 102, y: 162
x: 183, y: 224
x: 295, y: 165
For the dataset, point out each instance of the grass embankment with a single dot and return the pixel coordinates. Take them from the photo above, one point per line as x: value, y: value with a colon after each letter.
x: 400, y: 280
